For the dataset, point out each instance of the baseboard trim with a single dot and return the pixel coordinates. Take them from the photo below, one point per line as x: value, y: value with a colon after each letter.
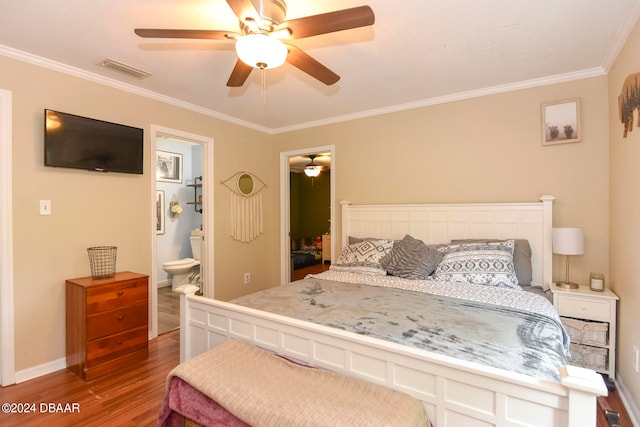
x: 40, y: 370
x: 632, y: 408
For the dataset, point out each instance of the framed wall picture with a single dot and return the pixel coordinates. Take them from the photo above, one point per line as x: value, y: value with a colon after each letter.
x: 168, y: 167
x: 561, y: 122
x: 159, y: 212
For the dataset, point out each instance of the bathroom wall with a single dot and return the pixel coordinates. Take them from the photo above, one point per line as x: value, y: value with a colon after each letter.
x: 174, y: 243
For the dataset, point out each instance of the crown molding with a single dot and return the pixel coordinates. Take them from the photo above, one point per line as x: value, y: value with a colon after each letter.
x: 559, y: 78
x: 96, y: 78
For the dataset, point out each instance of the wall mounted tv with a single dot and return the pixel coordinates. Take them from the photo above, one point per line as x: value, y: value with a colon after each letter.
x: 77, y: 142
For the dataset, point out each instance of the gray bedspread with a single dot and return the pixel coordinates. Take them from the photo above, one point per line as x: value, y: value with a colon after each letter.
x: 529, y: 340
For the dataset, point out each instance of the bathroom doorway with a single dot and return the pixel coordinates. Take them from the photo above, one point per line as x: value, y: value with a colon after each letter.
x: 183, y: 234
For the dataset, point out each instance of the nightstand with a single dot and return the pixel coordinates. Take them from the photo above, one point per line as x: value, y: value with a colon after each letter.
x: 326, y: 248
x: 590, y: 320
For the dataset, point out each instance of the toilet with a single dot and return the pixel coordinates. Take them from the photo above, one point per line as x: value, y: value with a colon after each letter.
x: 186, y: 270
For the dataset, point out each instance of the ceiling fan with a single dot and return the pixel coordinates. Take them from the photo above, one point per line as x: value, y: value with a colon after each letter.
x: 313, y: 170
x: 263, y: 40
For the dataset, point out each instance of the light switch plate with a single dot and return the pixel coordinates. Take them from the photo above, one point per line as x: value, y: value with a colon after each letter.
x: 45, y: 207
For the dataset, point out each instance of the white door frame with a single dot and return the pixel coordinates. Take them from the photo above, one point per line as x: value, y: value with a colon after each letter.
x: 207, y: 266
x: 7, y: 333
x: 285, y: 203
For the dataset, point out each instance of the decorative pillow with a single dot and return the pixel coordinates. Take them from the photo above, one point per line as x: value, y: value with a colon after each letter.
x: 353, y: 240
x: 364, y: 257
x: 479, y: 263
x: 521, y: 257
x: 410, y: 258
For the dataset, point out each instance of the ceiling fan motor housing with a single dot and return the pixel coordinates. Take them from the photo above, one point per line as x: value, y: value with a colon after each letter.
x: 273, y: 12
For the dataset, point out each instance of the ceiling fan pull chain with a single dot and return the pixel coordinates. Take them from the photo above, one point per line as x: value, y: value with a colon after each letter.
x: 263, y: 81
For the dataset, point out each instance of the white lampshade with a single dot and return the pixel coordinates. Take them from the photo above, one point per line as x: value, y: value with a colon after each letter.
x: 568, y: 241
x: 261, y: 51
x: 312, y: 171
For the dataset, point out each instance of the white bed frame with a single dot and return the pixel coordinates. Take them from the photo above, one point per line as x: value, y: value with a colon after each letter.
x: 454, y: 392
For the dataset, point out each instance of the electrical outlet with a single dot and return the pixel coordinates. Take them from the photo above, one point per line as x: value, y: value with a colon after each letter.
x: 247, y: 278
x: 635, y: 359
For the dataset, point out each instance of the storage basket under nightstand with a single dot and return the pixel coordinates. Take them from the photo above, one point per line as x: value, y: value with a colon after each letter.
x: 588, y: 357
x: 585, y: 332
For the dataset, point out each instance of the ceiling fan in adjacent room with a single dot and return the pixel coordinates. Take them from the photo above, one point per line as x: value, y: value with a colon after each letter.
x: 263, y: 40
x: 312, y: 170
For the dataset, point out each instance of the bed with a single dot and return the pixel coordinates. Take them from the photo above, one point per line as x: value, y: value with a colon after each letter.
x: 305, y: 252
x: 455, y: 390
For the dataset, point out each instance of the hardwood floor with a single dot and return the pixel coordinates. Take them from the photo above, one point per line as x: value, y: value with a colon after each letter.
x: 300, y: 273
x: 168, y: 310
x: 131, y: 397
x: 614, y: 403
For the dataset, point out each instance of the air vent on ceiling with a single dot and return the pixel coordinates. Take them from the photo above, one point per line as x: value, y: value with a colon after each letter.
x: 120, y: 66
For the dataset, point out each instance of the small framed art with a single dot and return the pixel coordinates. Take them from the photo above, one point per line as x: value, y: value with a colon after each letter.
x: 159, y: 212
x: 168, y: 167
x: 561, y: 122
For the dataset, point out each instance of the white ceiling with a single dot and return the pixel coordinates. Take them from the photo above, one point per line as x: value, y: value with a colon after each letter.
x: 418, y: 52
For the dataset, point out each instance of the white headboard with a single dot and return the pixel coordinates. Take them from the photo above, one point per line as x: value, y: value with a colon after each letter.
x: 443, y: 223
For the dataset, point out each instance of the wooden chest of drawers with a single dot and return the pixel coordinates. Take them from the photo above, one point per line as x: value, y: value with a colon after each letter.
x: 106, y: 323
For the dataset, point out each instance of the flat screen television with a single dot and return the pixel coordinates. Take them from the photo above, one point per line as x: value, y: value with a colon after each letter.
x: 77, y: 142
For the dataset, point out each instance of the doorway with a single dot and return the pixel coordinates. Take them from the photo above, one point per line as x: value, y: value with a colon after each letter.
x: 189, y: 187
x: 292, y: 162
x: 7, y: 357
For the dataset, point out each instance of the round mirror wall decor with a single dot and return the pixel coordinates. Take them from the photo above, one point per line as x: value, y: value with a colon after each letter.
x: 246, y: 205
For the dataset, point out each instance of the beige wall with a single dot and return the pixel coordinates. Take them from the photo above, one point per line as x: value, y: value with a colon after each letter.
x: 482, y: 149
x: 90, y: 209
x: 625, y: 218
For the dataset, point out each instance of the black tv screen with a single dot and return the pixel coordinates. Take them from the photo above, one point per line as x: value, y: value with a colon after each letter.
x: 77, y: 142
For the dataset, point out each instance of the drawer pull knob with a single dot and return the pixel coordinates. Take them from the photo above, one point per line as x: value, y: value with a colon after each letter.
x: 584, y: 307
x: 120, y: 318
x: 120, y: 293
x: 119, y: 342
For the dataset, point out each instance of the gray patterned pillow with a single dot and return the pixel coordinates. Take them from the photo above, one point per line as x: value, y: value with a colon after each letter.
x: 410, y: 258
x: 479, y: 263
x: 364, y: 257
x: 521, y: 257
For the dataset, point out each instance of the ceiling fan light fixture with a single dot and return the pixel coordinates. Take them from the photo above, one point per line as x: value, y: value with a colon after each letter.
x: 312, y: 171
x: 261, y: 51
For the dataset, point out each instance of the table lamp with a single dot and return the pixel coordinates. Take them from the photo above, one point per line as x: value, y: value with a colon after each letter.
x: 568, y: 241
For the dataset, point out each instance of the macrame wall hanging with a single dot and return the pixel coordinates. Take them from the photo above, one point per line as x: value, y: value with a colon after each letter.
x: 628, y: 101
x: 246, y: 205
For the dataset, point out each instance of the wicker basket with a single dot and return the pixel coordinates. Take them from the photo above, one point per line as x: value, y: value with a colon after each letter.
x: 595, y: 358
x: 590, y: 333
x: 102, y: 260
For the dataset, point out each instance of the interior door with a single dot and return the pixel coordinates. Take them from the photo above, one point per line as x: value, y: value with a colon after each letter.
x: 285, y: 203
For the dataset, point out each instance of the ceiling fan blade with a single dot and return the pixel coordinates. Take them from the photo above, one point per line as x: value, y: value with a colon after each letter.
x: 239, y: 74
x: 183, y: 34
x: 330, y: 22
x: 306, y: 63
x: 244, y: 9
